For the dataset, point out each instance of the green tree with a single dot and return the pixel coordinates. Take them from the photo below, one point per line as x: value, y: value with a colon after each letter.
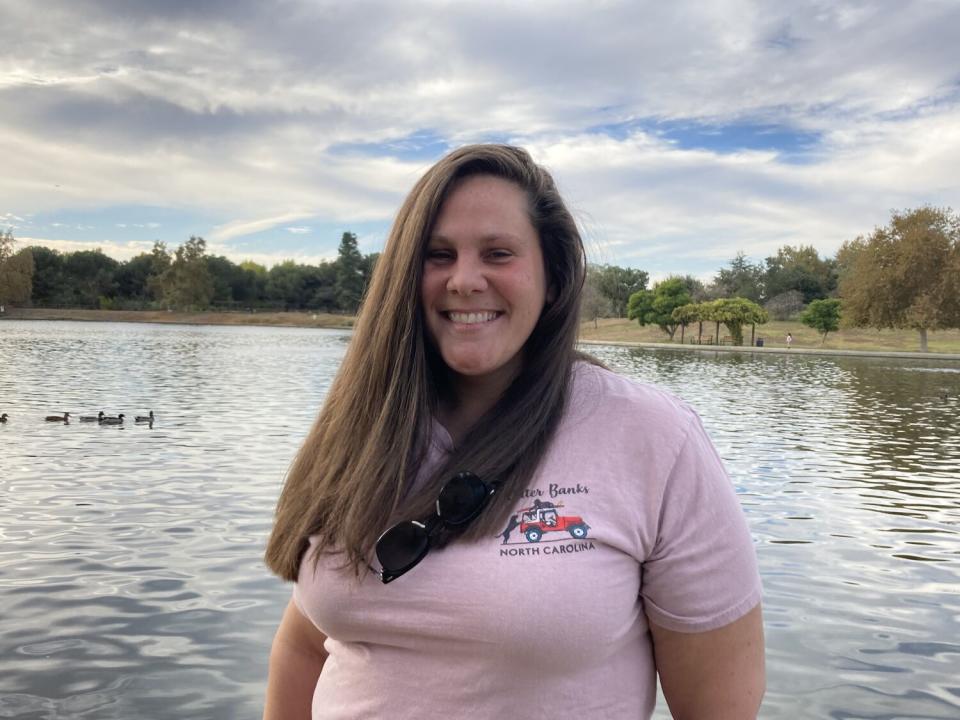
x: 904, y: 275
x: 89, y: 278
x: 47, y: 276
x: 741, y: 279
x: 161, y: 262
x: 655, y: 307
x: 133, y: 277
x: 616, y: 284
x: 16, y: 271
x: 823, y: 316
x: 187, y: 283
x: 735, y: 313
x: 800, y: 269
x: 350, y: 281
x: 254, y: 287
x: 687, y: 314
x: 285, y: 284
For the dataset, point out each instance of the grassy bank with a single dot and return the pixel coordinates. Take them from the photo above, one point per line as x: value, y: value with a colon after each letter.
x: 607, y: 330
x: 282, y: 319
x: 774, y: 335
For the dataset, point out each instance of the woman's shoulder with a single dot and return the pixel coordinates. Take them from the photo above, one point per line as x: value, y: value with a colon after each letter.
x: 605, y: 395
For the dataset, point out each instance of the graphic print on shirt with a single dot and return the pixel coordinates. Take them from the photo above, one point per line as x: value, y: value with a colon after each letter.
x: 545, y: 521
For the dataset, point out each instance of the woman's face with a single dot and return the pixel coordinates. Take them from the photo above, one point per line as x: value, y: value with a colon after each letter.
x: 484, y: 282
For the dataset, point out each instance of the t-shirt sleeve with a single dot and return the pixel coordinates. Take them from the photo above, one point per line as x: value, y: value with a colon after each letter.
x: 702, y: 572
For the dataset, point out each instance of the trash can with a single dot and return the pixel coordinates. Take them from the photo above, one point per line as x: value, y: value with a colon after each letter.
x: 759, y: 342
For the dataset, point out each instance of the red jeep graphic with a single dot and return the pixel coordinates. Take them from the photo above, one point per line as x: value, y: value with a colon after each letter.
x: 535, y: 521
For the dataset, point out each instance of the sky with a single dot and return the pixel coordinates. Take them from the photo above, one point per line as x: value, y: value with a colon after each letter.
x: 680, y: 133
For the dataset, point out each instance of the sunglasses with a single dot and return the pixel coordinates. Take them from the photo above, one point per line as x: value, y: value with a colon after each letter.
x: 402, y: 547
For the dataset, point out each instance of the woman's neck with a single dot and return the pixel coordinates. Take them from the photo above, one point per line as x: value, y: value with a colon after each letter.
x: 471, y: 399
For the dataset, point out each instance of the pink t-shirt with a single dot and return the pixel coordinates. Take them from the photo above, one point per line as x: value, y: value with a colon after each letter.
x: 630, y: 519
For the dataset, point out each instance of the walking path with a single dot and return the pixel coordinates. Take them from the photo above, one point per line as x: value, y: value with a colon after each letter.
x: 780, y: 350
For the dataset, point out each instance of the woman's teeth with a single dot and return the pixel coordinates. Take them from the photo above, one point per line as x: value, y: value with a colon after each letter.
x: 471, y: 318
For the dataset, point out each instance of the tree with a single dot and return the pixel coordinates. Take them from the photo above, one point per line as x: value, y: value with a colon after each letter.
x: 593, y: 303
x: 350, y: 282
x: 823, y: 316
x: 254, y: 286
x: 16, y: 271
x: 47, y: 281
x: 735, y: 313
x: 616, y: 285
x: 742, y: 279
x: 187, y: 284
x: 785, y: 305
x: 161, y: 262
x: 799, y: 269
x: 133, y: 277
x: 88, y: 278
x: 904, y: 275
x: 655, y: 307
x: 285, y: 284
x: 686, y: 314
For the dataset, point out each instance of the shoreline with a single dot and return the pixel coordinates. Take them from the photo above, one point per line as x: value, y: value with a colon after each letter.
x: 345, y: 322
x: 777, y: 350
x: 263, y: 318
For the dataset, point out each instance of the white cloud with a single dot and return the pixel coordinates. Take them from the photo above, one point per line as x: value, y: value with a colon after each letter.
x: 299, y: 230
x: 246, y: 116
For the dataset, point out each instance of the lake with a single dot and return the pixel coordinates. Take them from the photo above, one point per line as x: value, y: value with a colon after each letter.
x: 131, y: 581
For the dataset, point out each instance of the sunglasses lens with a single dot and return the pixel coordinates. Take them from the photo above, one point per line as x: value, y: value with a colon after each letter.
x: 462, y: 499
x: 402, y: 546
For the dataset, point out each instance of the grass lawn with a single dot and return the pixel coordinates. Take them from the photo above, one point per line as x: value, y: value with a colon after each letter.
x: 608, y: 329
x: 775, y: 332
x: 286, y: 319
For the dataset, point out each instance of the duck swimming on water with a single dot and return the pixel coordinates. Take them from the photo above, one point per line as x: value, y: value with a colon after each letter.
x: 3, y: 418
x: 92, y: 418
x: 144, y: 418
x: 109, y: 420
x: 58, y: 418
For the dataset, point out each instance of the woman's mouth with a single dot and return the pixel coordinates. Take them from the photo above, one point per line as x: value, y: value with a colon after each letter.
x: 472, y: 318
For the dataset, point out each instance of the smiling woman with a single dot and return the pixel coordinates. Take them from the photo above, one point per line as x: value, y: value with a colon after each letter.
x: 460, y: 410
x: 484, y: 287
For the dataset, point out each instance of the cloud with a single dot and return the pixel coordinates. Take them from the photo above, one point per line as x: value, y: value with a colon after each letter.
x: 681, y: 132
x: 239, y: 228
x: 300, y: 230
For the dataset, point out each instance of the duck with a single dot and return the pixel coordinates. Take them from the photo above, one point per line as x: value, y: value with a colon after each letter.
x: 109, y: 420
x: 92, y: 418
x: 3, y: 418
x: 144, y: 418
x: 58, y: 418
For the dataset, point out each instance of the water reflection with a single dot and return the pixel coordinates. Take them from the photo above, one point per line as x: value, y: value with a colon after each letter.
x: 130, y: 575
x: 849, y: 471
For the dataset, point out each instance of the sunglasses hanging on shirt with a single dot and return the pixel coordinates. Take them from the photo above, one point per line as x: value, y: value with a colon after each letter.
x: 403, y: 546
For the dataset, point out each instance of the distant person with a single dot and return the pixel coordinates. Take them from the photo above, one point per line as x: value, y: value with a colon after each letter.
x: 461, y: 394
x: 789, y: 340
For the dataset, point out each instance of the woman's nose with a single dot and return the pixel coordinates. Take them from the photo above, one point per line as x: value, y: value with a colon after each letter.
x: 466, y: 276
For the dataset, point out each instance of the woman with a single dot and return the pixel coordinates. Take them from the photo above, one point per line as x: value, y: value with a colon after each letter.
x: 460, y: 404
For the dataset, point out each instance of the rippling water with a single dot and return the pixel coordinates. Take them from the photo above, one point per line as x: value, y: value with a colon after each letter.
x: 130, y: 575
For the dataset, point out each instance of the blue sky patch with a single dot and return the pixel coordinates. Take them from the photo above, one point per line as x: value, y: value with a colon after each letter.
x: 422, y: 145
x: 721, y: 138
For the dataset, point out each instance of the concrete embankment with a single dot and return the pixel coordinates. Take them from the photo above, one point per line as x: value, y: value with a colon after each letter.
x: 778, y: 350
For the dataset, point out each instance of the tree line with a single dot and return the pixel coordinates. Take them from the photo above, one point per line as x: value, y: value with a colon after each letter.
x: 905, y: 274
x: 186, y: 278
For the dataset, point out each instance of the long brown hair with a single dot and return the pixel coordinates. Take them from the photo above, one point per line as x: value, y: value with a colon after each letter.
x: 352, y: 476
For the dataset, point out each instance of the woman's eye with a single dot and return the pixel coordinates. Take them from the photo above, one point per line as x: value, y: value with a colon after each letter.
x: 439, y: 255
x: 500, y: 254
